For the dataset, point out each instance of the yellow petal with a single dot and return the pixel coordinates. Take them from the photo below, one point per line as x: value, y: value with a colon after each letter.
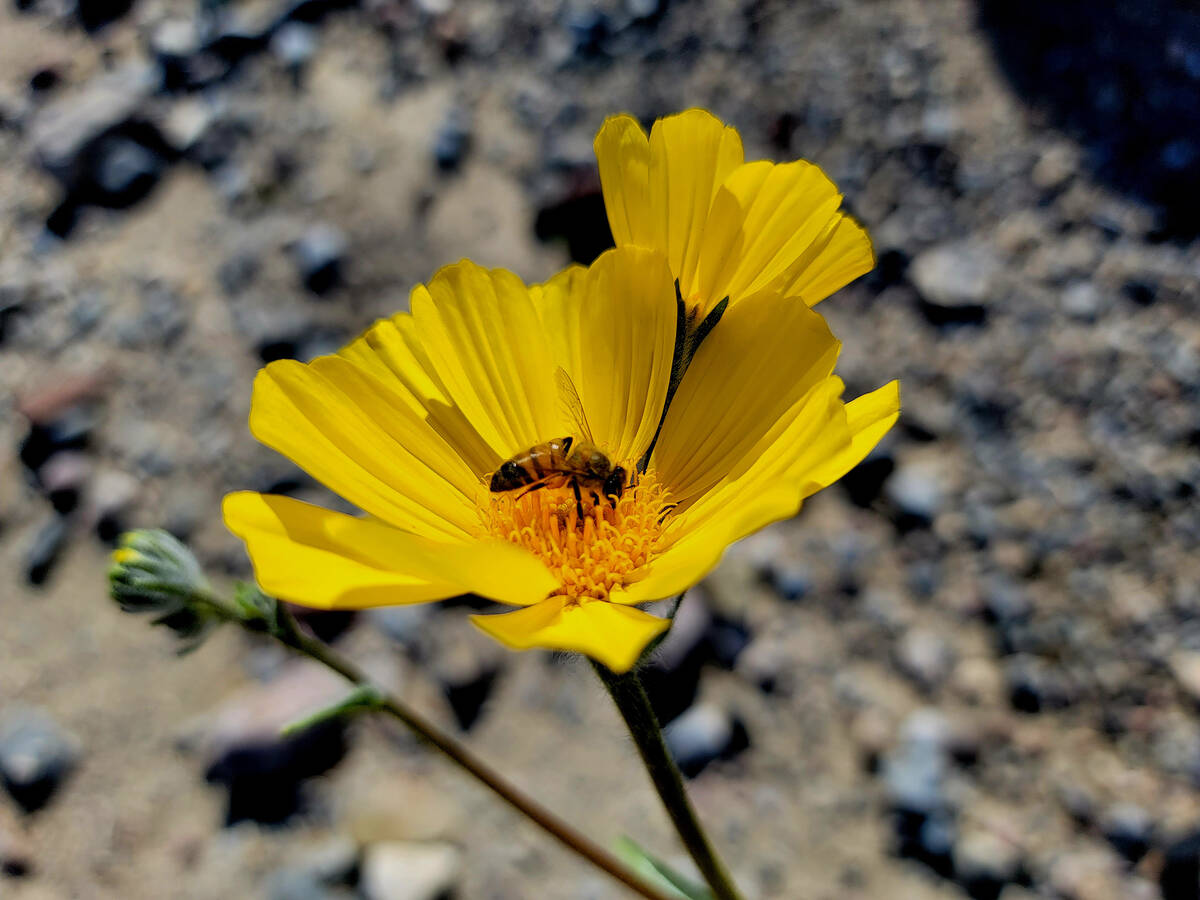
x: 691, y: 154
x: 485, y: 345
x: 392, y: 352
x: 340, y: 425
x: 613, y: 330
x: 831, y: 263
x: 763, y: 356
x: 868, y: 418
x: 328, y: 560
x: 658, y: 191
x: 778, y: 226
x: 614, y: 635
x: 768, y: 484
x: 623, y: 154
x: 556, y: 305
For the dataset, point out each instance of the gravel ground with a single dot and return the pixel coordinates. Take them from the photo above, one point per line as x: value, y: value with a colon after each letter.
x: 972, y: 670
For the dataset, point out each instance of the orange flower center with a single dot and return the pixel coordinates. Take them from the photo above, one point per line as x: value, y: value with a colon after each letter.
x: 593, y: 555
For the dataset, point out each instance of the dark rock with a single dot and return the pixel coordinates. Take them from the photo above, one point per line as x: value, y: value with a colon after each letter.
x: 865, y: 482
x: 44, y: 80
x: 792, y: 581
x: 921, y: 576
x: 1034, y: 685
x: 672, y: 678
x: 891, y: 268
x: 467, y: 691
x: 578, y: 217
x: 1180, y: 875
x: 242, y: 746
x: 726, y: 639
x: 914, y: 776
x: 124, y: 171
x: 319, y: 256
x: 326, y: 624
x: 589, y: 28
x: 44, y: 551
x: 311, y: 12
x: 62, y: 479
x: 36, y: 755
x: 703, y: 735
x: 303, y: 344
x: 11, y: 306
x: 16, y: 854
x: 70, y: 430
x: 99, y: 147
x: 1140, y: 291
x: 95, y: 14
x: 1008, y: 609
x: 117, y: 170
x: 452, y: 142
x: 1130, y: 831
x: 172, y: 44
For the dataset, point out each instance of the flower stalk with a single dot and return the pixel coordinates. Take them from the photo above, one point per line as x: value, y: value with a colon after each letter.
x: 295, y: 637
x: 154, y: 573
x: 634, y: 706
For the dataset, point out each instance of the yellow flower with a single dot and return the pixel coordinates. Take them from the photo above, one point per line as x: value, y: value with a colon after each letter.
x: 729, y: 228
x: 410, y: 421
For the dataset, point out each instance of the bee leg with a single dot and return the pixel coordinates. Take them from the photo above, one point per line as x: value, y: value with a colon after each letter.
x: 666, y: 512
x: 529, y: 490
x: 578, y: 498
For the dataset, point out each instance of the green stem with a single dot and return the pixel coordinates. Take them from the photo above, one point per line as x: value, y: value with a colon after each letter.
x: 633, y: 704
x: 291, y: 634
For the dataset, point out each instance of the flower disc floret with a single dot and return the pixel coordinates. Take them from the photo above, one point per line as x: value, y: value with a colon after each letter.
x: 592, y: 557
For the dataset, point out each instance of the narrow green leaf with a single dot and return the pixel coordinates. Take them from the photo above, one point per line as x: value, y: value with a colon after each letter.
x: 655, y: 870
x: 363, y: 698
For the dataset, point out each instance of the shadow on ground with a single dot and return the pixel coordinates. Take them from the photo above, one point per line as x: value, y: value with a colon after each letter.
x: 1121, y: 76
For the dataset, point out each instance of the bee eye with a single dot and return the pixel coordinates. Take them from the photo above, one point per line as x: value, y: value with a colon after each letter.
x: 510, y: 469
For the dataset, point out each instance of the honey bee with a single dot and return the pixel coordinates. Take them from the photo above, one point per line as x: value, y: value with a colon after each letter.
x: 565, y: 460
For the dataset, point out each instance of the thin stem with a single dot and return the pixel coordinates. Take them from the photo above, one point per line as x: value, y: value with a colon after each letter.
x: 292, y: 635
x: 633, y: 704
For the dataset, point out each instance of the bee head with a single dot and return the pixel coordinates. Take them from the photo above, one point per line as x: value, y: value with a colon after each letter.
x: 614, y: 484
x: 508, y: 476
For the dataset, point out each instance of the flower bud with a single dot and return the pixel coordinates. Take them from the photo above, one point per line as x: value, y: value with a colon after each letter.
x: 153, y: 572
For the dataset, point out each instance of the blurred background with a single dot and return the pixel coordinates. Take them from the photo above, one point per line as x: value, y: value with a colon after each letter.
x: 970, y: 670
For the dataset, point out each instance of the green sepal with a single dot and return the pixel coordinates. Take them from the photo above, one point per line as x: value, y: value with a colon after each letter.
x: 255, y: 606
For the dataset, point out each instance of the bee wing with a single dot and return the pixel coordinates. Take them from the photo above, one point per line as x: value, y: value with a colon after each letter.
x: 569, y: 397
